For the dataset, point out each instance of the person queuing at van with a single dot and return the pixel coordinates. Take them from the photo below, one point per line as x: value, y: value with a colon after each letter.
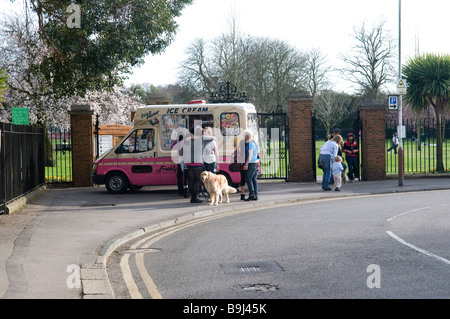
x: 178, y: 149
x: 251, y: 165
x: 239, y: 160
x: 351, y: 156
x: 193, y: 157
x: 210, y: 156
x: 327, y: 153
x: 210, y: 152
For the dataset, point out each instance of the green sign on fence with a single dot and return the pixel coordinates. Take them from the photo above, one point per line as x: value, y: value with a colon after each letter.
x: 20, y: 115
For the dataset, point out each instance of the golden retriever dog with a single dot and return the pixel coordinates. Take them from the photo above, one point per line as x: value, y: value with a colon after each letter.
x: 216, y: 184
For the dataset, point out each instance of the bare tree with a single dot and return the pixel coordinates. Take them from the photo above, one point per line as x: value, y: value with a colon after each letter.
x: 370, y: 65
x: 332, y: 108
x: 194, y: 72
x: 266, y: 69
x: 317, y: 71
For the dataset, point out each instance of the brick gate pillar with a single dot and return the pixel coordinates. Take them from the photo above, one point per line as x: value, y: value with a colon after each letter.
x: 300, y: 137
x: 82, y: 131
x: 373, y: 135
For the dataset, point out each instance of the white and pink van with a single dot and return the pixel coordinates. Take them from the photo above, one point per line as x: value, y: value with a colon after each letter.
x: 144, y: 157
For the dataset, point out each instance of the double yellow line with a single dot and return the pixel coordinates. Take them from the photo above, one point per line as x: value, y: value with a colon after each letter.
x: 145, y: 243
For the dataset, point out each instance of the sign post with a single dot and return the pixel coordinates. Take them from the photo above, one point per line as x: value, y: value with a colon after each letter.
x: 401, y: 89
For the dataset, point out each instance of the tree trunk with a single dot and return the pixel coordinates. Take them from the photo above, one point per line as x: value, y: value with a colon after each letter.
x: 419, y: 134
x: 439, y: 154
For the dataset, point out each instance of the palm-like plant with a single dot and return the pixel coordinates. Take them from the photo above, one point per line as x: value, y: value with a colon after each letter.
x: 3, y: 84
x: 428, y: 78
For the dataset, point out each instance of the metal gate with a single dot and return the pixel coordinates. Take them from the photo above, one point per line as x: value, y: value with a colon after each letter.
x: 274, y: 145
x: 58, y: 155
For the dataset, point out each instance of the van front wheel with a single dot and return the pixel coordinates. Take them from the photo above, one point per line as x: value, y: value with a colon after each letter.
x: 116, y: 183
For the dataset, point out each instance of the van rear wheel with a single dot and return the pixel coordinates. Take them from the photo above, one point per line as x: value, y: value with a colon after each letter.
x: 116, y: 183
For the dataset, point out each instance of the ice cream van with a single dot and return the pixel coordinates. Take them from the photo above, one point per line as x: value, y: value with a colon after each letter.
x: 144, y: 157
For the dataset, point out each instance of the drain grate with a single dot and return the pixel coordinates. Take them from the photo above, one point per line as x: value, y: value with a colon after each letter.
x: 250, y: 267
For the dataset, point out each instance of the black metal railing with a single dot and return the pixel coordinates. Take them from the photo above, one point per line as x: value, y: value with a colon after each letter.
x: 419, y: 146
x: 21, y: 161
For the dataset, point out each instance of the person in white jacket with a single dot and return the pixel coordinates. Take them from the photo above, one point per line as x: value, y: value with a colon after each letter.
x: 328, y: 152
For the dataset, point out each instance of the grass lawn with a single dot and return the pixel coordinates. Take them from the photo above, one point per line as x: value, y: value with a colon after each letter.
x: 61, y: 171
x: 419, y: 157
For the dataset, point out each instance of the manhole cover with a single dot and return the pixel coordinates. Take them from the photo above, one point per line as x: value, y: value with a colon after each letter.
x: 250, y: 267
x: 259, y: 287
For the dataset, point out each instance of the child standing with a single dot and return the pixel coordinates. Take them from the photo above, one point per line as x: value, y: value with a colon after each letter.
x: 337, y: 170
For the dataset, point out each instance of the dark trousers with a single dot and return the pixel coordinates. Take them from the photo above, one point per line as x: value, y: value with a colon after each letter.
x: 352, y: 162
x: 393, y: 147
x: 180, y: 179
x: 194, y: 179
x: 210, y: 167
x: 325, y: 161
x: 252, y: 182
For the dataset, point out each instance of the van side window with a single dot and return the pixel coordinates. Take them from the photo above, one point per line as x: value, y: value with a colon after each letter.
x: 169, y: 124
x: 139, y: 141
x: 252, y: 122
x: 229, y: 123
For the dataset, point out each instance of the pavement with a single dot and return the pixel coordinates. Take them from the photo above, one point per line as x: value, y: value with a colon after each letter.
x: 56, y: 245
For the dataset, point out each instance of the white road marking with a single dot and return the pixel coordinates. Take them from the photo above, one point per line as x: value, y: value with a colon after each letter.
x: 423, y: 251
x: 410, y: 211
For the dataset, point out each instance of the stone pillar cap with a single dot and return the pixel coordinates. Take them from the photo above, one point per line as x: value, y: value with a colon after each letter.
x: 372, y: 104
x: 81, y: 109
x: 300, y: 95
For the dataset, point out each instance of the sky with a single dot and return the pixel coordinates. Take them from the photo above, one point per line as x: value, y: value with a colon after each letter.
x: 325, y: 24
x: 305, y: 24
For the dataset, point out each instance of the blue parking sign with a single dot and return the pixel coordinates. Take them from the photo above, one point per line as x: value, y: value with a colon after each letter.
x: 393, y: 102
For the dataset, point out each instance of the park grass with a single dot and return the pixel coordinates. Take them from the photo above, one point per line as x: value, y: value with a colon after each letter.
x: 419, y: 157
x: 61, y: 171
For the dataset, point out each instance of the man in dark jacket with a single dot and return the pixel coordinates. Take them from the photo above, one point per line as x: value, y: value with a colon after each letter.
x: 351, y: 151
